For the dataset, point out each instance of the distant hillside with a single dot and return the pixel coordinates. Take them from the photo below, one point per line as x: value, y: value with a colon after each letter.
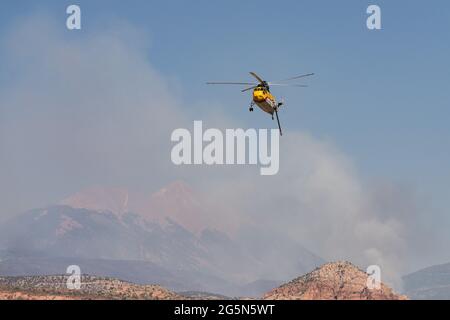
x: 257, y: 288
x: 200, y: 295
x: 430, y: 283
x: 92, y: 288
x: 332, y: 281
x: 139, y: 272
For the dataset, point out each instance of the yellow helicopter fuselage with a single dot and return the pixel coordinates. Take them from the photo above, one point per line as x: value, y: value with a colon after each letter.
x: 261, y: 93
x: 264, y: 99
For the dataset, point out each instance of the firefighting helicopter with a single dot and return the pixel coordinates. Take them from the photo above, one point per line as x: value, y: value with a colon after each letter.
x: 262, y: 96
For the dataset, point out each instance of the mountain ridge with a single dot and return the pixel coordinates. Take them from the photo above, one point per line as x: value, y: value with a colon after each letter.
x: 177, y: 201
x: 332, y: 281
x: 430, y: 283
x: 43, y: 240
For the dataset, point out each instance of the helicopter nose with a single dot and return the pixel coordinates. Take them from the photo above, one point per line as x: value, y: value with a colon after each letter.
x: 258, y: 96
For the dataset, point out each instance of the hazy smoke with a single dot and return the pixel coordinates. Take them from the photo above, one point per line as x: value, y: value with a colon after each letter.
x: 91, y: 110
x: 80, y: 112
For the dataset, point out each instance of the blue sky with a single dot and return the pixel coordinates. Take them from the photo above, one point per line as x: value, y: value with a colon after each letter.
x: 381, y: 96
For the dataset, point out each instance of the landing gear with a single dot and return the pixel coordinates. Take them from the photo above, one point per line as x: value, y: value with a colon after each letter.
x: 251, y: 106
x: 251, y: 109
x: 275, y: 109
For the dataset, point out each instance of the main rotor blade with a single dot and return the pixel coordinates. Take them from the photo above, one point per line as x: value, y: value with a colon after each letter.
x: 234, y: 83
x: 298, y: 77
x: 257, y: 77
x: 249, y: 88
x: 288, y: 85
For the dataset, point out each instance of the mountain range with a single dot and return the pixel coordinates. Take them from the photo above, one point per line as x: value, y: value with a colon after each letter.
x: 431, y: 283
x: 332, y: 281
x: 164, y: 238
